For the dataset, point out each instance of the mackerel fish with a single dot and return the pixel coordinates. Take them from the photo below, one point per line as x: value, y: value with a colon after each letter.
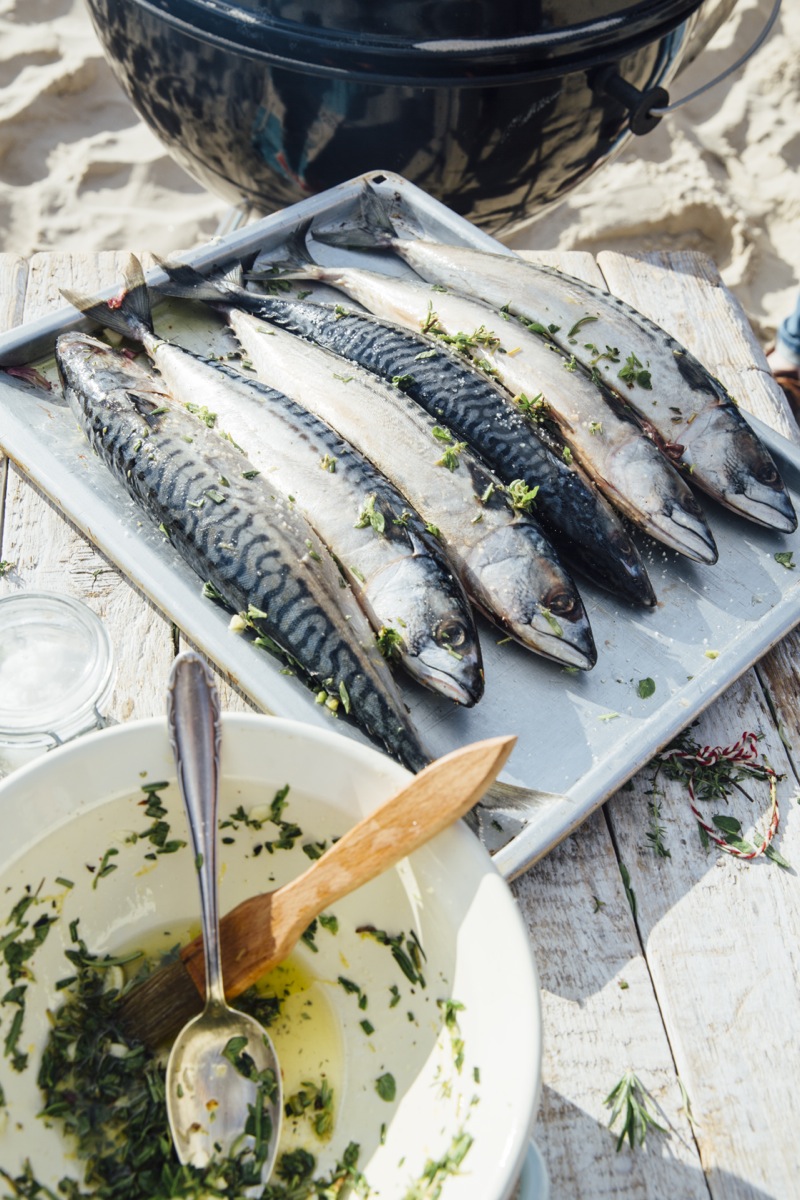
x: 397, y: 570
x: 509, y: 569
x: 597, y: 430
x: 584, y: 528
x: 681, y: 405
x: 256, y: 550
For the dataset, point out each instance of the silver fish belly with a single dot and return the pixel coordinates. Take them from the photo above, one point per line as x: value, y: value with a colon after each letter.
x: 259, y: 554
x: 508, y: 567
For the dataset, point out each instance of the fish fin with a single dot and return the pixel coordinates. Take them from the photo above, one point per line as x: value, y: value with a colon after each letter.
x: 127, y: 313
x: 505, y: 811
x: 187, y: 283
x: 290, y: 255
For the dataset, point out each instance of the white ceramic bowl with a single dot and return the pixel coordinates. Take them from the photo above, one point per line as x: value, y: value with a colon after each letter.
x: 62, y: 813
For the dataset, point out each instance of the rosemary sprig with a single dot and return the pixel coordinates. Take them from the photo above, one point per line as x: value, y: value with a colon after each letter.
x: 631, y: 1099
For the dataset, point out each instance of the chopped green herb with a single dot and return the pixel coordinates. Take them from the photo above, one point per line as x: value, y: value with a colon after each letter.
x: 386, y: 1087
x: 645, y: 688
x: 407, y: 952
x: 371, y: 516
x: 521, y: 496
x: 106, y: 867
x: 204, y: 414
x: 435, y: 1172
x: 629, y: 892
x: 634, y: 374
x: 552, y: 622
x: 314, y: 1101
x: 545, y: 331
x: 315, y: 850
x: 579, y: 325
x: 390, y: 643
x: 785, y: 558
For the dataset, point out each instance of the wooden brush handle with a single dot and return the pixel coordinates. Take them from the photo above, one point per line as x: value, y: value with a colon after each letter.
x: 436, y: 798
x: 262, y: 931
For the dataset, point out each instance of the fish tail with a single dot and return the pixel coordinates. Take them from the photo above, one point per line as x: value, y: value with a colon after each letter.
x: 370, y: 228
x: 127, y: 313
x: 290, y: 256
x: 188, y: 283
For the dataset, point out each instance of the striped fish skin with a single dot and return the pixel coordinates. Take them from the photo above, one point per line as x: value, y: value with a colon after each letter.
x: 400, y: 574
x: 686, y: 407
x: 249, y: 544
x: 583, y: 526
x: 625, y: 465
x: 515, y: 579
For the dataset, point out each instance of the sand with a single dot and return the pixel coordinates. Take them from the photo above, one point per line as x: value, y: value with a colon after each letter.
x: 79, y: 170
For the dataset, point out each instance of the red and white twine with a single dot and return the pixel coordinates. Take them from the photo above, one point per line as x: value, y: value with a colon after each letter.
x: 743, y: 751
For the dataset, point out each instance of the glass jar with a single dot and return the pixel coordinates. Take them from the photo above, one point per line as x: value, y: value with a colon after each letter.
x: 56, y: 672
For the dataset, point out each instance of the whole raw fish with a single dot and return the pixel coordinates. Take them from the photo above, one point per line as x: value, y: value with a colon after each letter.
x: 507, y: 566
x: 583, y: 526
x: 681, y: 404
x: 256, y: 550
x: 395, y: 567
x: 605, y: 439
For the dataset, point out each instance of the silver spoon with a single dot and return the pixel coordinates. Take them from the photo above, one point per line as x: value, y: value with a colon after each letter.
x: 223, y: 1084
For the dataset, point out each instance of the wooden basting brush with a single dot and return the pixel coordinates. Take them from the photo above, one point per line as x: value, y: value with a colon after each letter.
x: 260, y: 932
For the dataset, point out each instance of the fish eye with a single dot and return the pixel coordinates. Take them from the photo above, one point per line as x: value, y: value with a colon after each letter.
x: 768, y: 475
x: 561, y: 604
x: 452, y: 632
x: 691, y: 505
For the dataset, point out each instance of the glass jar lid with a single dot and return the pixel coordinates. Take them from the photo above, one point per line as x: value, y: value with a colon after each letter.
x: 56, y: 665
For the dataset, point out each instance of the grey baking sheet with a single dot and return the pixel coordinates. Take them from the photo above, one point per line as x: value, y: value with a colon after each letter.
x: 580, y: 736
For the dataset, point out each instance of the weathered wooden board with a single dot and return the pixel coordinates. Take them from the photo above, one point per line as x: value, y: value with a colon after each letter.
x: 721, y: 935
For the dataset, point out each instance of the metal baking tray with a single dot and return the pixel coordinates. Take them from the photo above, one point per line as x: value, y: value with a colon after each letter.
x: 580, y: 736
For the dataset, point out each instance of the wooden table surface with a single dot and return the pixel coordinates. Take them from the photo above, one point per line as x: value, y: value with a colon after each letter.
x: 698, y: 990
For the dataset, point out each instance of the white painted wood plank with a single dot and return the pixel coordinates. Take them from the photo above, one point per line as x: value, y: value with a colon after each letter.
x: 722, y: 939
x: 600, y: 1018
x: 721, y: 936
x: 13, y: 276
